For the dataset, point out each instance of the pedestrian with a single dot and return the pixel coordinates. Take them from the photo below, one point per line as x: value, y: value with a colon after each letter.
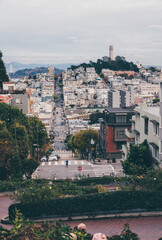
x: 67, y: 163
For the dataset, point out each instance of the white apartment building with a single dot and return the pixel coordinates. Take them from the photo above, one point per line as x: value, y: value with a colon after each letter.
x: 146, y: 124
x: 149, y: 89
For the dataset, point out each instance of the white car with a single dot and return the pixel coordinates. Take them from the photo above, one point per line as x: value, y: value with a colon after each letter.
x: 52, y: 157
x: 43, y: 159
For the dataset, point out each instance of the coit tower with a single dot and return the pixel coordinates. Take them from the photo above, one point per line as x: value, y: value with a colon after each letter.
x: 111, y: 54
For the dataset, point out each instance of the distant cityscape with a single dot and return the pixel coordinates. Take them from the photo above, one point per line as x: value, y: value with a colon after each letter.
x: 131, y: 96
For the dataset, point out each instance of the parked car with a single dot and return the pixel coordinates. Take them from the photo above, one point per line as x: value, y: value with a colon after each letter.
x: 44, y: 159
x: 53, y: 157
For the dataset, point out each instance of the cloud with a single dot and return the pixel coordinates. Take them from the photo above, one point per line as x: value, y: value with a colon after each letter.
x: 65, y: 30
x: 155, y: 26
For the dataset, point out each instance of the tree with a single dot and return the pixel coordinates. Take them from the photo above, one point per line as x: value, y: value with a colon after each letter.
x: 29, y: 166
x: 39, y: 134
x: 16, y: 166
x: 139, y: 161
x: 3, y: 75
x: 55, y: 97
x: 156, y: 100
x: 70, y: 143
x: 94, y: 117
x: 6, y: 151
x: 82, y: 140
x: 18, y: 133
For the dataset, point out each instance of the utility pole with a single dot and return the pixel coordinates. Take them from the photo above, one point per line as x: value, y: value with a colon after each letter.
x: 37, y: 145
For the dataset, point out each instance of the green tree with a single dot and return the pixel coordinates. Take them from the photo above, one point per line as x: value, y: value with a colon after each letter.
x: 82, y: 140
x: 94, y: 117
x: 39, y: 134
x: 70, y: 143
x: 55, y: 97
x: 3, y: 75
x: 29, y: 166
x: 156, y: 100
x: 139, y: 161
x: 16, y: 166
x: 20, y: 132
x: 6, y: 151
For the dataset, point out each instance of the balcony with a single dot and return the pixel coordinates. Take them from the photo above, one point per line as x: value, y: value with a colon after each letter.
x: 129, y: 133
x: 125, y: 150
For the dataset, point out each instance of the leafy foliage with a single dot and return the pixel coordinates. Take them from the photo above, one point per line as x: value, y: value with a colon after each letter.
x: 120, y: 64
x: 139, y: 160
x: 90, y: 204
x: 18, y: 133
x: 3, y: 75
x: 82, y: 140
x: 94, y: 117
x: 29, y: 166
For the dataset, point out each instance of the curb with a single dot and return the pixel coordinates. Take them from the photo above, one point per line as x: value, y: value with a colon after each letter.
x: 103, y: 216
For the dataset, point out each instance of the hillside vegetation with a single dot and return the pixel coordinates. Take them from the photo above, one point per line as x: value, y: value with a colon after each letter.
x: 119, y: 64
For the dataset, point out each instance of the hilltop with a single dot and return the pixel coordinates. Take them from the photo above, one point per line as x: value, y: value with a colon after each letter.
x: 119, y: 64
x: 32, y: 72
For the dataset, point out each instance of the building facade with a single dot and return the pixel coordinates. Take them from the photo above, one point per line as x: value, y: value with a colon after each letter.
x: 112, y: 132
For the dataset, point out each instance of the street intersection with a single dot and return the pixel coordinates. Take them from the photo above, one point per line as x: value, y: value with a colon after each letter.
x: 59, y: 170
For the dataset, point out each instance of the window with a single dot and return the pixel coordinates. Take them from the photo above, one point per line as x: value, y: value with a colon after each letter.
x: 18, y: 101
x: 137, y: 117
x: 146, y: 125
x: 121, y: 119
x: 117, y: 134
x: 155, y: 152
x: 156, y: 128
x: 121, y: 134
x: 161, y: 146
x: 137, y: 138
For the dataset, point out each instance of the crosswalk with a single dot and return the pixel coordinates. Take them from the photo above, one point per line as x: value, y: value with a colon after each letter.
x: 61, y: 151
x: 103, y: 170
x: 61, y: 163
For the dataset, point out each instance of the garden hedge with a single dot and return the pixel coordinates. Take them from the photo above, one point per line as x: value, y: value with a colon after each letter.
x: 12, y: 186
x: 90, y: 204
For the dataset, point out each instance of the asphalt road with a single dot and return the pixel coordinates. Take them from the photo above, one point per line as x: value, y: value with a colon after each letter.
x: 58, y: 170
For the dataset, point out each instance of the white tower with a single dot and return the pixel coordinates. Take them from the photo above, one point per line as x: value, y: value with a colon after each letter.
x: 11, y: 69
x: 111, y: 54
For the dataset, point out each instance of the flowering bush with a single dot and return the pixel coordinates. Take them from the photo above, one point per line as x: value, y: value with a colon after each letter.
x: 81, y: 226
x: 99, y: 236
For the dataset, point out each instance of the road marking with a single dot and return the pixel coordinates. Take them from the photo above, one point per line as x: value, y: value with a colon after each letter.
x: 75, y: 162
x: 56, y: 163
x: 43, y: 163
x: 49, y: 163
x: 112, y: 168
x: 82, y: 162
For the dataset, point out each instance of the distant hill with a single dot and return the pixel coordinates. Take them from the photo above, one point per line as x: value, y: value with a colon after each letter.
x: 19, y: 66
x: 32, y: 72
x: 119, y: 64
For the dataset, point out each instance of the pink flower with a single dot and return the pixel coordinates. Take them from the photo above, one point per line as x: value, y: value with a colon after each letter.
x: 81, y: 226
x: 99, y: 236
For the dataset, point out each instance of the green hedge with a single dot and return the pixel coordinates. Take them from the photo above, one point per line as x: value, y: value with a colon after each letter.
x: 12, y: 186
x: 88, y: 204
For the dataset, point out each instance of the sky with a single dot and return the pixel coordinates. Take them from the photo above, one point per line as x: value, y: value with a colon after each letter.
x: 75, y: 31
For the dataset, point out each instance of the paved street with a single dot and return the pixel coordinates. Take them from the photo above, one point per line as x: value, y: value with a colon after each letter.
x: 58, y: 170
x: 148, y: 228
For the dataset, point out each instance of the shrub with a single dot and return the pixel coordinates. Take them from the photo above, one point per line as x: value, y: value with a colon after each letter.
x: 90, y: 204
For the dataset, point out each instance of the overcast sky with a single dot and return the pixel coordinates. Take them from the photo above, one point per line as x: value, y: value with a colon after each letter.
x: 73, y: 31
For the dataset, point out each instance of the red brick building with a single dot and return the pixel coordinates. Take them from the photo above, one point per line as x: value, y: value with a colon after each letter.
x: 112, y: 131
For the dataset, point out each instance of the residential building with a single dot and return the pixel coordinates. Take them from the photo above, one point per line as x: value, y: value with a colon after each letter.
x: 112, y: 132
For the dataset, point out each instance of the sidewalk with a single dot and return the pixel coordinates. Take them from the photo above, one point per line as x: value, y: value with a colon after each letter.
x: 148, y: 228
x: 5, y: 202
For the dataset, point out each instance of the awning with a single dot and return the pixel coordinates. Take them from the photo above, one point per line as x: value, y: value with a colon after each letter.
x: 154, y: 121
x: 154, y: 145
x: 144, y: 116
